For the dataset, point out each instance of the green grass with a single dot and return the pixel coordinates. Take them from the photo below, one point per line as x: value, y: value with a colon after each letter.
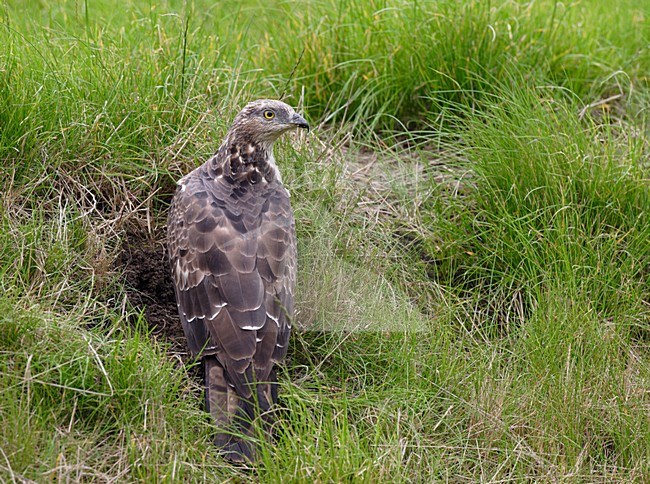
x: 476, y: 195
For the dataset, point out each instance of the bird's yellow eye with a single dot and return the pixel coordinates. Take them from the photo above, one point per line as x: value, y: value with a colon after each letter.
x: 268, y: 114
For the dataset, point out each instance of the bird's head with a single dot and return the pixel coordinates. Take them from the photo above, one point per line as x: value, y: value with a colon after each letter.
x: 263, y: 121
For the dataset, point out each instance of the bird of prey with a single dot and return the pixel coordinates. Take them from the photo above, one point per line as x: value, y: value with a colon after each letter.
x: 232, y: 250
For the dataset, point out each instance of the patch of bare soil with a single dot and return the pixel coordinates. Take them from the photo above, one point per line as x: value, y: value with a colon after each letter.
x: 379, y: 176
x: 149, y: 287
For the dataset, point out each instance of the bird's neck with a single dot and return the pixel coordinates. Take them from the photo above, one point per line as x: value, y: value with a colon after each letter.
x: 245, y: 162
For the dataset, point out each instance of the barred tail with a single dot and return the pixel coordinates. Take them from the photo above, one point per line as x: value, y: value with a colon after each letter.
x: 233, y: 414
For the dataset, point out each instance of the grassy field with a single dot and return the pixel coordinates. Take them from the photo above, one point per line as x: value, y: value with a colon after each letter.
x: 473, y: 215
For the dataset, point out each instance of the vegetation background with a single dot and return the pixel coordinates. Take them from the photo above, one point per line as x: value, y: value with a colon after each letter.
x: 473, y: 212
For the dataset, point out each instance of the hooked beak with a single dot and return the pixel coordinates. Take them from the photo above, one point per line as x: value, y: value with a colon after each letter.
x: 298, y: 121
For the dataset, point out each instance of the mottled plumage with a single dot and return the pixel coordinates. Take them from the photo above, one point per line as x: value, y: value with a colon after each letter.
x: 232, y: 249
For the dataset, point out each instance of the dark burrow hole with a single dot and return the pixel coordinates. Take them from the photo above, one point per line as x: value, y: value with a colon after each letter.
x: 150, y: 289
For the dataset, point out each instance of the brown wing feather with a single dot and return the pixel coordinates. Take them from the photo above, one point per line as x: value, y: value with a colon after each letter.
x: 233, y: 260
